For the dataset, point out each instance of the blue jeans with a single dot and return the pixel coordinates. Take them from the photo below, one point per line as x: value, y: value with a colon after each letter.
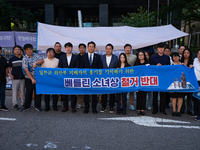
x: 2, y: 94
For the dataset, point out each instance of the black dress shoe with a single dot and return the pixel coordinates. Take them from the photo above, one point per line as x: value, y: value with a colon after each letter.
x: 178, y: 114
x: 142, y: 113
x: 173, y: 113
x: 46, y: 109
x: 164, y: 112
x: 123, y: 112
x: 154, y: 112
x: 94, y: 111
x: 118, y: 112
x: 86, y: 111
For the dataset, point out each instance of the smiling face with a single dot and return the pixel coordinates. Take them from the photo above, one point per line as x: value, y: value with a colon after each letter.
x: 176, y: 59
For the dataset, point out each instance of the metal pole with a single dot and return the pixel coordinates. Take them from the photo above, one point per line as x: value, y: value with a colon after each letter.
x: 80, y: 22
x: 158, y: 13
x: 148, y: 11
x: 167, y: 12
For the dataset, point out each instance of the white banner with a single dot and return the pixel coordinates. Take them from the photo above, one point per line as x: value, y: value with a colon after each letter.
x: 118, y: 36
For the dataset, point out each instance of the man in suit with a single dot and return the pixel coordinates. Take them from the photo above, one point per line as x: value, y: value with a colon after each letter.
x: 93, y: 61
x: 69, y: 61
x: 82, y: 50
x: 108, y: 60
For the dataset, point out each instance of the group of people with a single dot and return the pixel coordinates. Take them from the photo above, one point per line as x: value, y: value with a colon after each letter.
x: 21, y: 69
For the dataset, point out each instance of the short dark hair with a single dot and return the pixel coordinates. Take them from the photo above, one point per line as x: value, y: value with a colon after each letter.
x: 51, y: 49
x: 28, y: 46
x: 91, y: 42
x: 168, y: 48
x: 0, y: 48
x: 68, y: 44
x: 175, y: 54
x: 57, y: 43
x: 110, y: 45
x: 127, y: 45
x: 81, y: 44
x: 161, y: 45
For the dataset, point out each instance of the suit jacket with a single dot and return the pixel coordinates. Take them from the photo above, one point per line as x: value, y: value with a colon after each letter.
x: 113, y: 62
x: 96, y: 63
x: 74, y: 63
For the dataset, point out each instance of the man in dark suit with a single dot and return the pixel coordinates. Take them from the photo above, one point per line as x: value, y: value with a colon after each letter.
x: 69, y: 61
x: 93, y: 61
x: 108, y: 60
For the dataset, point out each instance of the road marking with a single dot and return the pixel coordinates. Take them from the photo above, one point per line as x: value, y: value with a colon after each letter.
x: 8, y: 119
x: 31, y: 144
x: 152, y: 122
x: 50, y: 144
x: 85, y: 147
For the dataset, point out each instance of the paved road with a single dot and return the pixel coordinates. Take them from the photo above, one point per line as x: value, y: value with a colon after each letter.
x: 67, y: 131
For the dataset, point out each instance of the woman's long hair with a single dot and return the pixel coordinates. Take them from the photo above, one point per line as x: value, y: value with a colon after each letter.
x: 190, y: 57
x: 137, y: 62
x: 119, y: 62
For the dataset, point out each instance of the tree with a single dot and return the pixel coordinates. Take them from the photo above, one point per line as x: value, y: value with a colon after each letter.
x: 140, y: 19
x: 17, y: 15
x: 186, y: 11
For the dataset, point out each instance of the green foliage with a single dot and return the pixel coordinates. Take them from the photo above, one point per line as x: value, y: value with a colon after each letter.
x: 16, y: 14
x: 140, y: 19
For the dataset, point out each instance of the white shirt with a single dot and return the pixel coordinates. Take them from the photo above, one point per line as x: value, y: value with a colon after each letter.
x: 69, y: 59
x: 89, y: 56
x: 171, y: 61
x: 50, y: 63
x: 108, y: 60
x: 196, y: 65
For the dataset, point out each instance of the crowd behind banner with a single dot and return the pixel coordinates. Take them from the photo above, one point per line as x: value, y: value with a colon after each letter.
x: 21, y: 68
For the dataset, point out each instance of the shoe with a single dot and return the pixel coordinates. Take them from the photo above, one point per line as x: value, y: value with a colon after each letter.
x: 149, y: 108
x: 164, y: 113
x: 64, y: 110
x: 24, y: 109
x: 123, y: 112
x: 4, y: 108
x: 138, y: 112
x: 182, y: 112
x: 16, y: 107
x: 197, y: 118
x: 154, y: 112
x: 192, y: 116
x: 79, y: 106
x: 38, y: 109
x: 102, y: 110
x: 94, y: 111
x: 73, y: 110
x: 142, y: 113
x: 111, y: 110
x: 47, y: 109
x: 55, y: 108
x: 86, y: 111
x: 131, y: 107
x: 118, y: 112
x: 178, y: 114
x: 173, y: 113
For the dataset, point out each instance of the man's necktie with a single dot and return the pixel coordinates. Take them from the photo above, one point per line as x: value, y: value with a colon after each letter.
x: 90, y: 59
